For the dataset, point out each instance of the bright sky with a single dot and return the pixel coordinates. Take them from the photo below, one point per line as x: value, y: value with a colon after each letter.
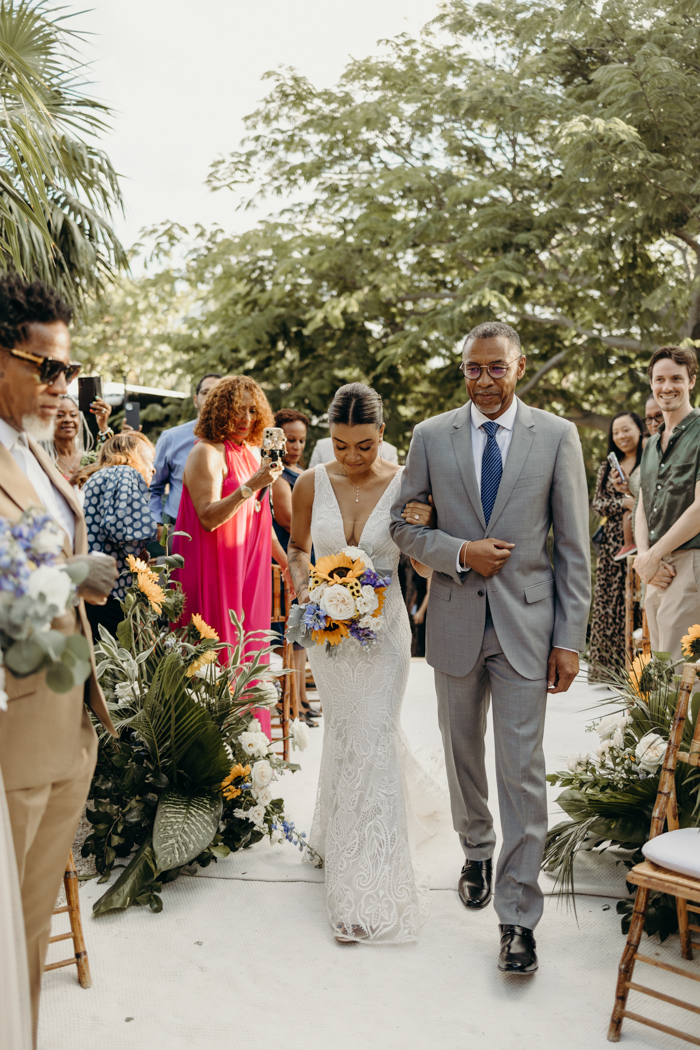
x: 182, y: 75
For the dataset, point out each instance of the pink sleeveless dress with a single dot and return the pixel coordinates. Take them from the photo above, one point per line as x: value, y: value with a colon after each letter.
x: 229, y: 568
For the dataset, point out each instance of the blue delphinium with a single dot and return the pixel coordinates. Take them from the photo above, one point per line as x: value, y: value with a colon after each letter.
x: 372, y: 579
x: 314, y: 617
x: 364, y: 635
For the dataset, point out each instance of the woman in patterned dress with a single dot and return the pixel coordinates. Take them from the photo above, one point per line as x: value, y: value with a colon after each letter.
x: 118, y: 516
x: 612, y: 499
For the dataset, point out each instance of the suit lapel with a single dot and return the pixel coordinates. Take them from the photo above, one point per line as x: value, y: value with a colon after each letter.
x: 66, y: 490
x: 15, y: 482
x: 521, y: 442
x: 462, y: 442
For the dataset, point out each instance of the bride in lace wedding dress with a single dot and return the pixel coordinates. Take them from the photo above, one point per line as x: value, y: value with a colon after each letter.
x: 373, y: 795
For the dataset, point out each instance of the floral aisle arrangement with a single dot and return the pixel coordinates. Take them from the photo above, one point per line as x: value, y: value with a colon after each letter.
x: 609, y: 794
x: 191, y: 777
x: 36, y: 587
x: 346, y: 600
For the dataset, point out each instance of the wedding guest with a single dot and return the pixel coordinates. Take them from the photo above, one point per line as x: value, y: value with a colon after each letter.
x: 118, y: 516
x: 48, y: 746
x: 225, y: 512
x: 668, y: 515
x: 172, y: 449
x: 653, y: 416
x: 612, y: 500
x: 295, y: 425
x: 323, y: 452
x: 72, y: 442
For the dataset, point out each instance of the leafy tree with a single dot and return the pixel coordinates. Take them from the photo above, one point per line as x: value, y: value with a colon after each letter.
x: 520, y: 160
x: 57, y: 188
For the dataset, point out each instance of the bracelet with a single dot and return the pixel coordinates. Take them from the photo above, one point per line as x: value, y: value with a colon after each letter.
x: 463, y: 558
x: 245, y: 491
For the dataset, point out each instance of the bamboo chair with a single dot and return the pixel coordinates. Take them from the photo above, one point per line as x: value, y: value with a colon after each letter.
x: 290, y: 699
x: 72, y: 907
x: 648, y: 876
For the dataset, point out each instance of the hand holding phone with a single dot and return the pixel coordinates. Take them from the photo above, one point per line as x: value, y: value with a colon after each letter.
x: 615, y: 464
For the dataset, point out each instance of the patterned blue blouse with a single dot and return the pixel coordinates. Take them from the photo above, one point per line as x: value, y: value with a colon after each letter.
x: 119, y: 520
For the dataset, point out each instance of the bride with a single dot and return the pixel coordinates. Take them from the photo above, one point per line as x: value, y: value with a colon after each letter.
x: 361, y: 826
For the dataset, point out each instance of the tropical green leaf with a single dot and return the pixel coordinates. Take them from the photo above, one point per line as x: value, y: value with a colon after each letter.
x: 185, y: 825
x: 136, y: 877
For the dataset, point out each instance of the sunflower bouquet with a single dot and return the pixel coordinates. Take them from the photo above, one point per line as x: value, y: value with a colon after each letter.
x: 346, y: 601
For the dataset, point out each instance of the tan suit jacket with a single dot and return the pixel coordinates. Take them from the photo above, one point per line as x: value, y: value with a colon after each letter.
x: 53, y: 728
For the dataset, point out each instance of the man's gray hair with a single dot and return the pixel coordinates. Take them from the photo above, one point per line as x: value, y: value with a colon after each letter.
x: 492, y: 330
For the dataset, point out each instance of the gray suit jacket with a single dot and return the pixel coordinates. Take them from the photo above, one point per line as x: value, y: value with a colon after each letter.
x: 534, y: 606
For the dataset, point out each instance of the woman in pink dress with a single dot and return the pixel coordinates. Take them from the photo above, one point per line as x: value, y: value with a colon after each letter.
x: 226, y: 510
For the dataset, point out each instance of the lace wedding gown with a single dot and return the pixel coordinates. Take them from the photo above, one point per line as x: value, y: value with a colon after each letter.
x: 372, y: 793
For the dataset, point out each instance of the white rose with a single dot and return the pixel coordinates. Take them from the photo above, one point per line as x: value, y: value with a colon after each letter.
x: 254, y: 744
x: 316, y: 592
x: 369, y: 621
x: 607, y: 726
x: 338, y: 602
x: 256, y: 815
x: 578, y: 761
x: 368, y: 600
x: 48, y: 540
x: 51, y: 582
x: 254, y: 726
x: 262, y: 774
x: 650, y: 752
x: 357, y: 552
x: 262, y: 795
x: 266, y: 695
x: 299, y: 732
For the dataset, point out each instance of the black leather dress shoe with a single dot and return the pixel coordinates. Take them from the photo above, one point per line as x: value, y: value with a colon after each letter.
x: 474, y: 884
x: 517, y: 950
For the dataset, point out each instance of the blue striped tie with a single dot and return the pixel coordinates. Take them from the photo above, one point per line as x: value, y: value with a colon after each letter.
x: 491, y: 469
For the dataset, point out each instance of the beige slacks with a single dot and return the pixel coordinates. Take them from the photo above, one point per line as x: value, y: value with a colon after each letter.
x: 44, y: 820
x: 672, y: 611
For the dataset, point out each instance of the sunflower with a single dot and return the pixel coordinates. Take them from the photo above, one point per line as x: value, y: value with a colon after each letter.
x: 636, y: 674
x: 335, y: 568
x: 690, y: 642
x: 380, y: 593
x: 205, y: 631
x: 147, y: 582
x: 231, y: 792
x: 207, y: 657
x: 334, y: 636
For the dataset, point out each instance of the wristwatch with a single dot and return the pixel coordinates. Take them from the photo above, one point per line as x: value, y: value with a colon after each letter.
x: 245, y: 491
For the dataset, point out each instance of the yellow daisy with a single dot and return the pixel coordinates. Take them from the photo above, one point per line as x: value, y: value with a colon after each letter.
x: 204, y: 629
x: 690, y: 646
x: 207, y: 657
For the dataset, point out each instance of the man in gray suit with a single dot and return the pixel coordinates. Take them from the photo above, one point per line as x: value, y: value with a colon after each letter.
x: 503, y: 624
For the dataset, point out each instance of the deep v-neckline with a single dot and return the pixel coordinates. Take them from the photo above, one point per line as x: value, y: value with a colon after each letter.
x: 346, y: 541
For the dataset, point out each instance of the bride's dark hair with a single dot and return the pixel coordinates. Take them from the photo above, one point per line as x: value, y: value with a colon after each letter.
x: 355, y: 405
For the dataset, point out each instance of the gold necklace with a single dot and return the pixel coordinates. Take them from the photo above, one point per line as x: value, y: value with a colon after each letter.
x: 358, y: 487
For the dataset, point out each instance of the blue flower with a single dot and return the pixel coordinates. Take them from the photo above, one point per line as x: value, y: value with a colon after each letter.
x: 314, y: 617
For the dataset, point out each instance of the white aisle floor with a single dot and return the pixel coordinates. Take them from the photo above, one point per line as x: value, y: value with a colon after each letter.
x: 245, y: 954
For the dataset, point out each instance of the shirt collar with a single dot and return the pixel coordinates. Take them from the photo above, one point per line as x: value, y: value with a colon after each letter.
x: 8, y: 435
x: 507, y: 420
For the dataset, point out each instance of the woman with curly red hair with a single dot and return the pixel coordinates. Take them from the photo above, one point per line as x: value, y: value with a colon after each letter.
x: 227, y: 559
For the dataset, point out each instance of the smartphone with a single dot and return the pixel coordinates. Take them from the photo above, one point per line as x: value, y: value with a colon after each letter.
x: 615, y: 464
x: 132, y: 414
x: 89, y: 389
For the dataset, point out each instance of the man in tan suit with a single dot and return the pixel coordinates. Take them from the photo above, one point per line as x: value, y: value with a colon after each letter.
x: 48, y: 746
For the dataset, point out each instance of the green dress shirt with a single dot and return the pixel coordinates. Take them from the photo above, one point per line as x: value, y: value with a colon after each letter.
x: 669, y: 478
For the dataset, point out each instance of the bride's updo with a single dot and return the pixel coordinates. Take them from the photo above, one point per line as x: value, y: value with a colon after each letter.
x: 356, y: 405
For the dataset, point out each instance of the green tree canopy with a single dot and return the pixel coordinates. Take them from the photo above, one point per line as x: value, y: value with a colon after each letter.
x: 524, y: 160
x: 57, y: 188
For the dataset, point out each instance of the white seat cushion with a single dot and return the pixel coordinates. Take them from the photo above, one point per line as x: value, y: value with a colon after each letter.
x: 676, y: 850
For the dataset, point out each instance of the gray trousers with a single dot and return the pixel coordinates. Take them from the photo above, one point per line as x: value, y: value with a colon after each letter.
x: 518, y: 717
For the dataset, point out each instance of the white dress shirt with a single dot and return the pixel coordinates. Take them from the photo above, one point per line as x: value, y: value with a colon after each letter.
x: 504, y: 436
x: 51, y: 499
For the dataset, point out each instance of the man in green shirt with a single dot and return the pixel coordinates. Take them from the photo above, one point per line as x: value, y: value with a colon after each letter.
x: 667, y: 525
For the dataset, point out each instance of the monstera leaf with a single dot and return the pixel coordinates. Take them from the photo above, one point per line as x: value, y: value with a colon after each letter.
x: 185, y: 825
x: 140, y: 873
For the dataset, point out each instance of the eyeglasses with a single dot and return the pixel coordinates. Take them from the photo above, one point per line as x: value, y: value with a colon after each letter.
x: 472, y: 372
x: 654, y: 419
x: 50, y: 368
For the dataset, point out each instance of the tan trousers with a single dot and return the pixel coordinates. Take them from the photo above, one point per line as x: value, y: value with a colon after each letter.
x: 44, y: 820
x: 672, y: 611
